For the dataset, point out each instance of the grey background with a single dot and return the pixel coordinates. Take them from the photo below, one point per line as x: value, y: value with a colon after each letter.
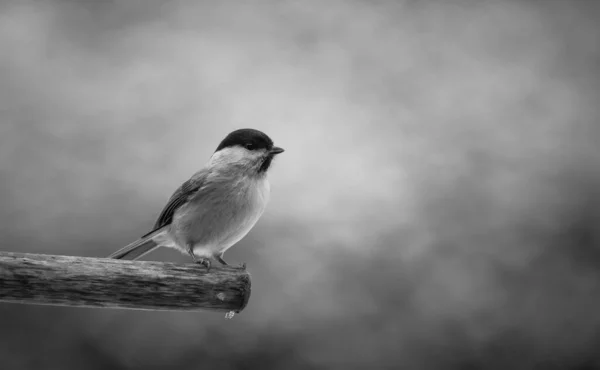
x: 437, y: 206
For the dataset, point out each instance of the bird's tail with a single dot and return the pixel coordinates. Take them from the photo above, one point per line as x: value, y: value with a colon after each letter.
x: 140, y: 247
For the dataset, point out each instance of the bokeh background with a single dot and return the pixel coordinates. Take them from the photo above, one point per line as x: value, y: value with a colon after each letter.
x: 437, y: 206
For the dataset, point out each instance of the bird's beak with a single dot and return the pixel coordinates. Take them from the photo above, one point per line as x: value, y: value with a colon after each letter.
x: 276, y: 150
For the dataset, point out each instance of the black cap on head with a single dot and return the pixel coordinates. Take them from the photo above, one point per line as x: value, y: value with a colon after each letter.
x: 247, y: 138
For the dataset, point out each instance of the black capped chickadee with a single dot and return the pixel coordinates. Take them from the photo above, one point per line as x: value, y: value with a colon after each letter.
x: 218, y: 205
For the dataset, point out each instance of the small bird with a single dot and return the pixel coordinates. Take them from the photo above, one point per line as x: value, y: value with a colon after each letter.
x: 218, y: 205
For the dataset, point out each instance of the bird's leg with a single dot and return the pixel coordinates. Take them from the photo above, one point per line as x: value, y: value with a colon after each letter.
x: 222, y: 261
x: 203, y: 261
x: 191, y: 253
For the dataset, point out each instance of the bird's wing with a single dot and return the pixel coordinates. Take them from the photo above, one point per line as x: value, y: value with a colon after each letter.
x: 181, y: 196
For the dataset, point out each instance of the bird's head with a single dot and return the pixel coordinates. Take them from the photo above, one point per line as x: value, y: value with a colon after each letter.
x: 248, y: 150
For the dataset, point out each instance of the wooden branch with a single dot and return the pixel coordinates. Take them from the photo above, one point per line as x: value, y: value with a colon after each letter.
x: 103, y: 282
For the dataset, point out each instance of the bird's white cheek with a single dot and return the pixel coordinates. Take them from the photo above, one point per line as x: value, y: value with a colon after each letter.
x: 237, y: 155
x: 227, y: 155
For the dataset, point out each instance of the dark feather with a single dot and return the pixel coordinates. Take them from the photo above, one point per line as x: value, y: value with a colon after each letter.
x: 179, y: 198
x: 138, y: 248
x: 266, y: 164
x: 247, y: 138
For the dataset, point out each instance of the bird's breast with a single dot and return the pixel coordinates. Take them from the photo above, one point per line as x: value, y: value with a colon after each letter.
x: 221, y: 214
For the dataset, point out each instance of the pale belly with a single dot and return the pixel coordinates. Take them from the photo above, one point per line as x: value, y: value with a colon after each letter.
x: 219, y: 217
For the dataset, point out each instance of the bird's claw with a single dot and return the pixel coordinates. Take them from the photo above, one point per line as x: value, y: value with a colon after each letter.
x: 204, y: 262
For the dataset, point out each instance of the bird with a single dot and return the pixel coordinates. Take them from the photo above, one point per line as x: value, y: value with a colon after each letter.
x: 218, y: 205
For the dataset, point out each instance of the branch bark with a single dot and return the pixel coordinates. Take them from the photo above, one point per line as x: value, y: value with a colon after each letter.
x: 109, y: 283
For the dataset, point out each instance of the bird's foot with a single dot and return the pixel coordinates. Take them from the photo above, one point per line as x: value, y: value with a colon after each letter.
x: 204, y: 262
x: 241, y: 266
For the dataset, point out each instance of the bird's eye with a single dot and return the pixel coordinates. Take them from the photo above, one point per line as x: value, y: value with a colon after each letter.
x: 249, y: 146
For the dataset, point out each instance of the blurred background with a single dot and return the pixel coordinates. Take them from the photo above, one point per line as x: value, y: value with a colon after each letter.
x: 437, y: 206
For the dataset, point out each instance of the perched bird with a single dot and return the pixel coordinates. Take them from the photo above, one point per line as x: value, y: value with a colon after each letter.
x: 218, y: 205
